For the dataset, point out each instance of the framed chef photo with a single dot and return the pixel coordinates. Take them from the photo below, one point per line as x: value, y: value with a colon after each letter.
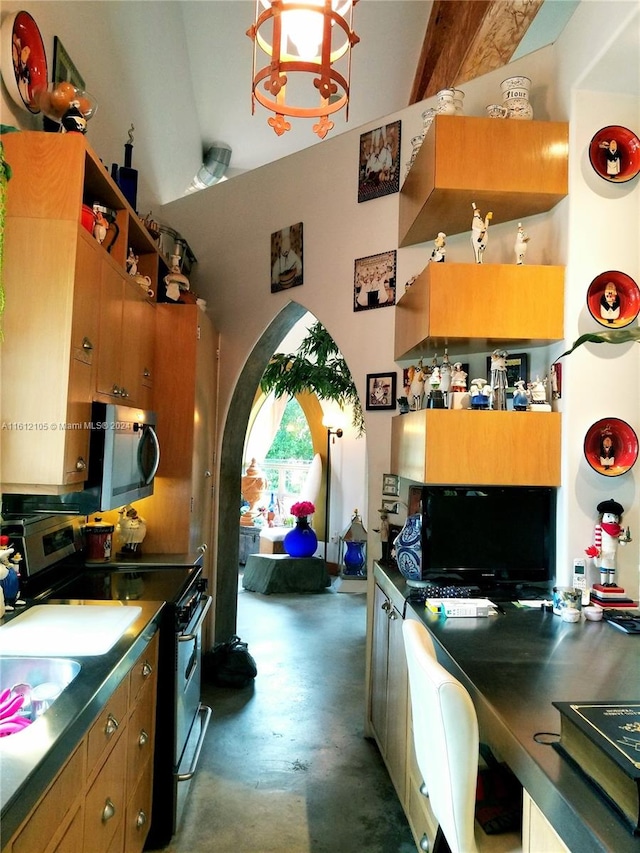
x: 379, y: 165
x: 374, y: 283
x: 381, y: 391
x: 286, y: 258
x: 391, y: 485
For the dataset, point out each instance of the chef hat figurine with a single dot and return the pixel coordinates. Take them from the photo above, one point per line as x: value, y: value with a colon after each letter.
x: 520, y: 247
x: 607, y: 535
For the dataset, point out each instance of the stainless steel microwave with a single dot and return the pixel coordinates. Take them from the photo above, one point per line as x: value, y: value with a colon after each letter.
x: 123, y: 460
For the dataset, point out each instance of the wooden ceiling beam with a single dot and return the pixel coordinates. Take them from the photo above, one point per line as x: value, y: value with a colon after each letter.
x: 466, y: 39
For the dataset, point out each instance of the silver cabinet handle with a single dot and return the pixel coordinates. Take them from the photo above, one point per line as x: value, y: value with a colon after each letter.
x: 207, y: 473
x: 141, y: 819
x: 109, y: 810
x: 146, y: 373
x: 386, y: 607
x: 147, y: 669
x: 116, y: 390
x: 143, y: 738
x: 81, y: 464
x: 87, y: 345
x: 111, y: 726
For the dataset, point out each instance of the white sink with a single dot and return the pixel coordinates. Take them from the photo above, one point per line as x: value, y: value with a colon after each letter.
x: 67, y: 629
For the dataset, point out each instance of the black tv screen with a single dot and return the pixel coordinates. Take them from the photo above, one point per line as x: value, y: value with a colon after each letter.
x: 489, y: 534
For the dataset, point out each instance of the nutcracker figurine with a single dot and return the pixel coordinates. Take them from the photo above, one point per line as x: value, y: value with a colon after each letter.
x: 608, y: 533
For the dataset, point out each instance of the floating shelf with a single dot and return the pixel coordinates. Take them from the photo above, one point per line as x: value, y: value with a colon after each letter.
x: 512, y: 168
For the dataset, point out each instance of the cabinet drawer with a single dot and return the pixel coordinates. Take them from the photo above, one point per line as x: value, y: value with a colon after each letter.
x: 138, y: 816
x: 144, y: 670
x: 104, y: 732
x: 71, y: 841
x: 105, y: 803
x: 54, y: 806
x: 140, y: 735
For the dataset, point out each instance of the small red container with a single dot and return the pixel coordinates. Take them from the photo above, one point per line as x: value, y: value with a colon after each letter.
x: 99, y: 539
x: 88, y: 219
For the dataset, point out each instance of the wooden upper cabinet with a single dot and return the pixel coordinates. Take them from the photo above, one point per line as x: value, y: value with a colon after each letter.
x: 512, y: 168
x: 478, y: 307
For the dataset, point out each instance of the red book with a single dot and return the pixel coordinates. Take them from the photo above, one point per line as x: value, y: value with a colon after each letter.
x: 608, y: 590
x: 622, y: 602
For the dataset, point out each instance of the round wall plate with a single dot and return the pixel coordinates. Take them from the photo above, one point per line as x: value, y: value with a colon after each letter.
x: 613, y: 299
x: 23, y: 60
x: 611, y: 447
x: 614, y: 153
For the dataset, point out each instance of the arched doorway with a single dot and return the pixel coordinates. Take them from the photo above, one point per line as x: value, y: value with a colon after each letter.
x: 231, y: 453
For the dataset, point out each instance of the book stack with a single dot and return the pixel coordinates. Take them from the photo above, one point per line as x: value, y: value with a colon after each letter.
x: 610, y: 596
x: 461, y: 607
x: 602, y: 739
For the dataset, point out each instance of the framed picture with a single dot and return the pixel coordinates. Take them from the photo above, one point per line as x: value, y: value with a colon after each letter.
x: 517, y: 368
x: 390, y: 506
x: 379, y: 165
x: 391, y: 485
x: 381, y: 391
x: 374, y: 284
x: 286, y: 258
x: 63, y: 68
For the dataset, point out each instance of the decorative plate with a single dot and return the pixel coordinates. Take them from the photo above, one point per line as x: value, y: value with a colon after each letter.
x: 613, y: 299
x: 614, y: 153
x: 24, y: 61
x: 611, y: 447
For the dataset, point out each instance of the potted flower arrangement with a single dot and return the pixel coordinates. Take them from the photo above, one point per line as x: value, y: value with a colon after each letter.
x: 301, y: 541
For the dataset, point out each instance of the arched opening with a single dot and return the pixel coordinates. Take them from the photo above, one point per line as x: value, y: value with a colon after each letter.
x: 239, y: 417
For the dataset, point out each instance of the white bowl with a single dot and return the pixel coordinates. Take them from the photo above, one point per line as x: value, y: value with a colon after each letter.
x: 592, y: 613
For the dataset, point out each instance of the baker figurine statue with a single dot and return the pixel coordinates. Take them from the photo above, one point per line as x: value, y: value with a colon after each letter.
x: 607, y: 534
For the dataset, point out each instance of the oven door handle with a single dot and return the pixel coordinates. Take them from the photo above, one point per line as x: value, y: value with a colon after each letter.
x: 189, y: 638
x: 205, y: 712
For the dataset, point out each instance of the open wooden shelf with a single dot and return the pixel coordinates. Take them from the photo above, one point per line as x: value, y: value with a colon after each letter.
x: 463, y: 447
x: 512, y: 168
x: 478, y: 307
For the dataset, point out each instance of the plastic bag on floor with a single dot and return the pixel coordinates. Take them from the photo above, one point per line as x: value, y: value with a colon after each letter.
x: 230, y: 664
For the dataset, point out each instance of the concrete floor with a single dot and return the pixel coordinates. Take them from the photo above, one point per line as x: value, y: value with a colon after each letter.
x: 286, y: 767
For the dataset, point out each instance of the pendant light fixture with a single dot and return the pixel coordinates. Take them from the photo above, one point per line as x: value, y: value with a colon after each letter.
x: 304, y: 41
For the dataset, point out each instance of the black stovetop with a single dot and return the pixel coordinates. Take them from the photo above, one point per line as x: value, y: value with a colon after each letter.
x: 104, y: 584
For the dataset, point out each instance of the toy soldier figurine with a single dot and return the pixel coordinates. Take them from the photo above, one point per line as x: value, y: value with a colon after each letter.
x: 608, y: 533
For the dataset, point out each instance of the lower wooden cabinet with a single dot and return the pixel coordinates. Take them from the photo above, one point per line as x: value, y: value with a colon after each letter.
x: 538, y: 836
x: 100, y: 802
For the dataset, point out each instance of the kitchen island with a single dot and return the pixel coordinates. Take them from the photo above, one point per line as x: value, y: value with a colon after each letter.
x: 31, y: 759
x: 515, y: 665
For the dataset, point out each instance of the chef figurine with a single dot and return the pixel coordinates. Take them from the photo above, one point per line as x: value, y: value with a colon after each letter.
x: 499, y: 379
x: 520, y: 397
x: 610, y: 303
x: 10, y: 575
x: 480, y: 392
x: 439, y: 251
x: 520, y: 247
x: 607, y: 534
x: 479, y: 232
x: 73, y: 121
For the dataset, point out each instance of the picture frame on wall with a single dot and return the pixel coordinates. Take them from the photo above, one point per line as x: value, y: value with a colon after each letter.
x: 286, y: 258
x: 517, y: 368
x: 391, y: 485
x: 390, y: 507
x: 64, y: 70
x: 379, y: 164
x: 374, y: 284
x: 381, y: 391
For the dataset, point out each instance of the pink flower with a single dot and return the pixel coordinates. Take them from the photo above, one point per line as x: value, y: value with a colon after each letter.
x: 302, y: 509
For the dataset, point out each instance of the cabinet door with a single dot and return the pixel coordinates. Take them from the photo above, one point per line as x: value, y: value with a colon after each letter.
x: 138, y: 328
x: 108, y: 381
x: 204, y: 417
x: 397, y: 705
x: 105, y: 803
x: 379, y: 666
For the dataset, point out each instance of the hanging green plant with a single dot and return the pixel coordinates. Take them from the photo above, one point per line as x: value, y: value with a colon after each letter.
x: 317, y: 367
x: 612, y: 336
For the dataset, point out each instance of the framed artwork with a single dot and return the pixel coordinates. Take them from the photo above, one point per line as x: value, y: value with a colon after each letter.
x: 381, y: 391
x: 390, y: 506
x: 379, y: 165
x: 286, y: 258
x: 517, y: 368
x: 374, y: 281
x: 391, y: 485
x: 63, y: 68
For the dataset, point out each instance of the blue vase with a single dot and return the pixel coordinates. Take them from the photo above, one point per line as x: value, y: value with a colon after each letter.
x: 354, y: 559
x: 409, y: 548
x: 302, y: 540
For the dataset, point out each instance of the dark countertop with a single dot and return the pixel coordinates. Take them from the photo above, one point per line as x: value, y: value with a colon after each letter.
x: 153, y: 561
x: 514, y: 666
x: 30, y: 759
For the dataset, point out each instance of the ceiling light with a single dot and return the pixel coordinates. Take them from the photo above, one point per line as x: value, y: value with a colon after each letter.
x: 214, y: 166
x: 304, y: 41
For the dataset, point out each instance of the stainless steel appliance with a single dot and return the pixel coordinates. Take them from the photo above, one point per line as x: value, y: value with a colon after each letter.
x: 124, y: 456
x: 57, y: 572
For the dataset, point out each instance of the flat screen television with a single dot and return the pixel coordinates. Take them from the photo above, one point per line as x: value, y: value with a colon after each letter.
x: 489, y: 536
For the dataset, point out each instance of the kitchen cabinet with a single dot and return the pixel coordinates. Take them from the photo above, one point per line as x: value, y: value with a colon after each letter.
x: 179, y: 515
x: 249, y: 543
x: 390, y: 689
x: 513, y: 168
x: 54, y: 274
x: 102, y: 795
x: 475, y: 308
x: 538, y: 836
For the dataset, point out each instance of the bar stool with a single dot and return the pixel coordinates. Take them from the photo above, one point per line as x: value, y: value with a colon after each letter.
x: 445, y: 731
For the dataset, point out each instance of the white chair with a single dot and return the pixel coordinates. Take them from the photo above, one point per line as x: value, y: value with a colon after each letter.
x: 445, y: 732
